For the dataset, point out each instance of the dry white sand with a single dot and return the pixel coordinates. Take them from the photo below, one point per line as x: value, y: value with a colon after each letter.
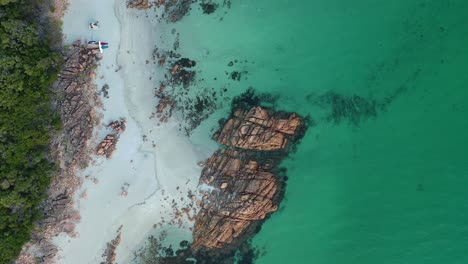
x: 149, y: 174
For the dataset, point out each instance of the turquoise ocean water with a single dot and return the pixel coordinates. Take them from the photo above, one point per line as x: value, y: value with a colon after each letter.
x: 382, y: 176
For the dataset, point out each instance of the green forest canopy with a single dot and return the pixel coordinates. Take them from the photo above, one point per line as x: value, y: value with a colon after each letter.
x: 27, y: 69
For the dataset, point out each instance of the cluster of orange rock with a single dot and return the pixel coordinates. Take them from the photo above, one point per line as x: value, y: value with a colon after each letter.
x: 165, y: 105
x: 138, y: 4
x: 251, y: 188
x: 110, y: 252
x: 246, y: 190
x: 108, y: 144
x: 79, y: 98
x: 161, y: 58
x: 256, y: 129
x: 118, y: 125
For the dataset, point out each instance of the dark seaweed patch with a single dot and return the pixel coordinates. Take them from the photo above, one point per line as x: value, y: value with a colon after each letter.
x: 179, y: 73
x: 194, y: 106
x: 246, y: 100
x: 250, y: 98
x: 186, y: 62
x: 198, y: 110
x: 353, y: 108
x: 235, y: 75
x: 208, y: 8
x: 155, y: 253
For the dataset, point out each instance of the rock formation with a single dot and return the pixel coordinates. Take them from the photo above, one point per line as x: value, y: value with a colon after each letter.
x: 138, y: 4
x: 107, y: 146
x: 164, y: 108
x: 243, y: 184
x: 255, y: 129
x: 110, y: 252
x: 174, y: 10
x: 75, y: 102
x: 242, y: 175
x: 118, y: 125
x: 244, y: 193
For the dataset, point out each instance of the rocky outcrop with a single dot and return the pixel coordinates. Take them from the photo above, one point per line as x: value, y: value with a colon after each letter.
x: 138, y: 4
x: 164, y: 107
x: 244, y: 193
x: 118, y: 125
x: 174, y: 10
x: 107, y: 146
x: 75, y: 101
x: 245, y: 189
x: 110, y: 252
x: 242, y: 186
x: 256, y: 129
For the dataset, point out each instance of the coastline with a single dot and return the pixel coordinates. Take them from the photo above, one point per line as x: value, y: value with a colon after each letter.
x: 373, y: 93
x: 135, y: 186
x: 146, y: 166
x: 76, y: 102
x: 149, y: 182
x: 152, y: 168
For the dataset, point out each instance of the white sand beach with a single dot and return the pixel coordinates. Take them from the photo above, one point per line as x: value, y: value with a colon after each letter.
x: 154, y: 171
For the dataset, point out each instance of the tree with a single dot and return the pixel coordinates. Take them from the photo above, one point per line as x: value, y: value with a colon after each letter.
x: 27, y: 69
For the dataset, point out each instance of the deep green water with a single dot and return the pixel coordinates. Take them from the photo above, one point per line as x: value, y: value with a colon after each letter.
x: 386, y: 180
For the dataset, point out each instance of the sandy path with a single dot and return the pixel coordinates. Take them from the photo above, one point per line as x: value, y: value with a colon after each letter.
x: 168, y: 170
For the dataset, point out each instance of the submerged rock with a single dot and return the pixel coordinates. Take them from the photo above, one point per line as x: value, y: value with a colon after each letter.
x: 208, y: 8
x: 180, y: 74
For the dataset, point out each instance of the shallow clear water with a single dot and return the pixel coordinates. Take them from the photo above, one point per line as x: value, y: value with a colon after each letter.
x: 383, y: 181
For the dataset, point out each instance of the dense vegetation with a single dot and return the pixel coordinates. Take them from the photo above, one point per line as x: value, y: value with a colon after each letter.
x: 27, y: 69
